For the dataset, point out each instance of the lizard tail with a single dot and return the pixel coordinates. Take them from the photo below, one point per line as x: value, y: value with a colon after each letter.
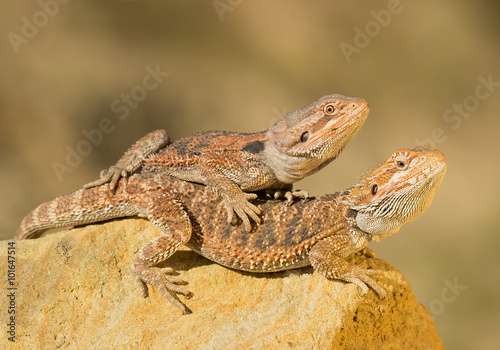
x: 82, y: 207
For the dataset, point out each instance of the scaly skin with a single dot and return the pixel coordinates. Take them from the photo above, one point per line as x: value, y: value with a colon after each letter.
x: 232, y: 164
x: 321, y: 231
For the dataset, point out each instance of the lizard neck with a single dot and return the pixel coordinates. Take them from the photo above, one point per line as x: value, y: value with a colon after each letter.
x: 289, y: 168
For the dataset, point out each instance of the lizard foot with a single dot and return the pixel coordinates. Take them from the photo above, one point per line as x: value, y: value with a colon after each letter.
x: 112, y: 175
x: 133, y: 159
x: 291, y: 195
x: 163, y: 280
x: 244, y: 209
x: 361, y: 278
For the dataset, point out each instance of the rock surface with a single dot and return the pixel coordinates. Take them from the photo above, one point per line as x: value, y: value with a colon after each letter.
x: 74, y: 290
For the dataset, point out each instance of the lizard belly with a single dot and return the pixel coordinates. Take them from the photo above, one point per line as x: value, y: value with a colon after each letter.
x: 243, y: 261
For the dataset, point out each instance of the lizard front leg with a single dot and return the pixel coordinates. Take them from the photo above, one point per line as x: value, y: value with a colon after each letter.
x: 327, y: 257
x: 217, y: 172
x: 133, y: 159
x: 168, y: 215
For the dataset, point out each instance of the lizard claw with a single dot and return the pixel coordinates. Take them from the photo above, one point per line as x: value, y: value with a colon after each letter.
x: 244, y: 209
x: 291, y: 195
x: 361, y: 277
x: 163, y: 280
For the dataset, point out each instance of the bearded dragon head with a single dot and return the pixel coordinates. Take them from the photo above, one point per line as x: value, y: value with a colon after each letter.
x: 397, y: 191
x: 312, y: 136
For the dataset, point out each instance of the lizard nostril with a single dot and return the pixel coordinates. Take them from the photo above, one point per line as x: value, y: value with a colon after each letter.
x: 304, y: 137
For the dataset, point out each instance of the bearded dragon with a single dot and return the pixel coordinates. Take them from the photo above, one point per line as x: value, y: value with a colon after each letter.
x: 232, y: 164
x: 321, y: 231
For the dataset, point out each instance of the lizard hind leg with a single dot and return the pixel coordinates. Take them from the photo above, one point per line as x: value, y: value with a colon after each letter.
x: 168, y: 215
x: 133, y: 159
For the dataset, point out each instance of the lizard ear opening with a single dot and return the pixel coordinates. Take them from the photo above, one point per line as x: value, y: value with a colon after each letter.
x: 374, y: 189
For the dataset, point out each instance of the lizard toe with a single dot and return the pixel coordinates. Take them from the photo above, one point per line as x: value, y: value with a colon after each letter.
x: 143, y: 288
x: 243, y: 209
x: 249, y: 196
x: 165, y: 282
x: 300, y: 193
x: 114, y: 180
x: 244, y: 218
x: 105, y: 176
x: 361, y: 278
x: 291, y: 195
x: 230, y: 212
x: 246, y: 211
x: 104, y: 173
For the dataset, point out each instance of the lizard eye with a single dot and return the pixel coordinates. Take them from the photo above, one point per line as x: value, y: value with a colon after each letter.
x: 304, y: 137
x: 329, y: 109
x: 374, y: 189
x: 401, y: 163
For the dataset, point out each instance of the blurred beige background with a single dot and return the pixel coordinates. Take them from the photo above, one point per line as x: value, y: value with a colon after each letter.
x: 430, y: 71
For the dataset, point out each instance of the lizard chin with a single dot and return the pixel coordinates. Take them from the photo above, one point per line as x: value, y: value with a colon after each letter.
x: 377, y: 237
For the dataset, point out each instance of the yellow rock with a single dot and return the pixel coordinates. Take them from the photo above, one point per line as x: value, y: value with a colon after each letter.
x: 75, y: 291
